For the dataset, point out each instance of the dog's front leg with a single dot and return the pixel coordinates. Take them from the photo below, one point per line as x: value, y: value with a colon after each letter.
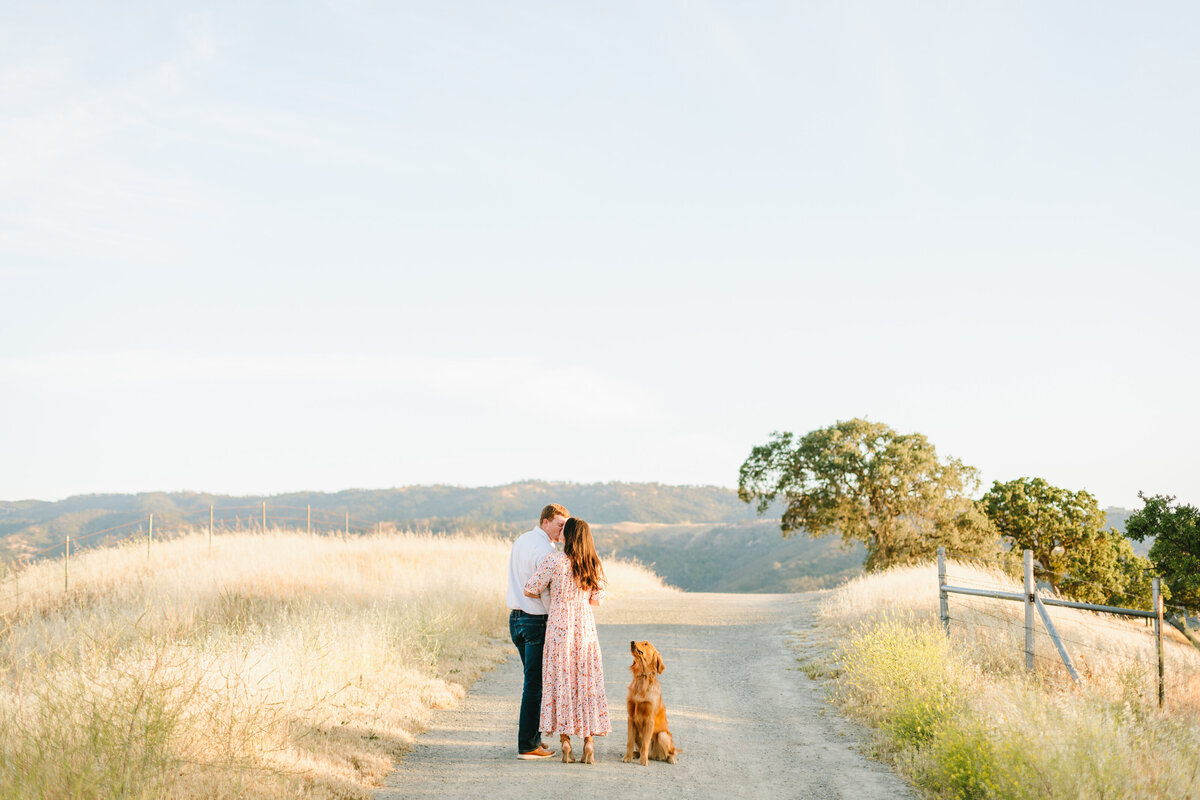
x: 630, y: 739
x: 647, y: 734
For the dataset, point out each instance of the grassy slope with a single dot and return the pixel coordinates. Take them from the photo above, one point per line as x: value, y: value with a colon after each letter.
x: 279, y: 666
x: 960, y: 715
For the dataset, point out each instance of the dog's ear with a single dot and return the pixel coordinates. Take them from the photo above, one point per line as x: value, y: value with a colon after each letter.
x: 658, y: 664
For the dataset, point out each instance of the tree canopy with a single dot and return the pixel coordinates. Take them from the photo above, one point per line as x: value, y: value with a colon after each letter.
x: 870, y: 484
x: 1067, y: 532
x: 1175, y: 552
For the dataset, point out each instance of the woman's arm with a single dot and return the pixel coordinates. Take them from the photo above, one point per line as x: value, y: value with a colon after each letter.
x: 541, y: 578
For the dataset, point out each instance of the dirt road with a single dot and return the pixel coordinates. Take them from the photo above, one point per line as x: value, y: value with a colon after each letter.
x: 749, y: 721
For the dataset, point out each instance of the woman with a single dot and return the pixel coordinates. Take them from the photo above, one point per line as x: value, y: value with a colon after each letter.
x: 573, y: 699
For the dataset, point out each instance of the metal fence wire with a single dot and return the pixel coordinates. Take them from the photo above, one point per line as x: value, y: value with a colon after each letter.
x: 222, y: 519
x: 975, y: 596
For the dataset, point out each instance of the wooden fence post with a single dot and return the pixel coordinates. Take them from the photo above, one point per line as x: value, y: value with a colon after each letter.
x: 1029, y: 609
x: 210, y: 520
x: 149, y: 537
x: 943, y: 598
x: 66, y: 565
x: 1158, y: 627
x: 264, y: 516
x: 347, y: 523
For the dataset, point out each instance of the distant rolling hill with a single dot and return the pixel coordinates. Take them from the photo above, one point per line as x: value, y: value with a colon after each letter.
x: 738, y: 557
x: 1117, y: 517
x: 29, y: 526
x: 699, y: 538
x: 514, y: 504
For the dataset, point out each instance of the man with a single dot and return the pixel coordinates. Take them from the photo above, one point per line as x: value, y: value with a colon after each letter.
x: 527, y: 623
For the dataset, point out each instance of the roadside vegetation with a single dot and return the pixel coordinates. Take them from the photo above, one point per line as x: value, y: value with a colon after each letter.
x: 279, y: 665
x: 961, y: 716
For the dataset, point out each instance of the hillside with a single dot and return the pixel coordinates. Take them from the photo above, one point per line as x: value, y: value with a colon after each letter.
x: 511, y: 506
x: 267, y: 665
x: 741, y: 557
x: 961, y: 709
x: 699, y: 538
x: 1117, y: 517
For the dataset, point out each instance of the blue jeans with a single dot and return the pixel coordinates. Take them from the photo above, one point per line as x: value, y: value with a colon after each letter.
x: 528, y: 633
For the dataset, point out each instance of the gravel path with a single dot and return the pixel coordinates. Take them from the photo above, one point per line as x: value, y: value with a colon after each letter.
x: 749, y: 722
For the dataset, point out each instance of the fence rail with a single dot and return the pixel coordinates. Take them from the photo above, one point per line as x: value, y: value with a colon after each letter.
x: 1036, y: 604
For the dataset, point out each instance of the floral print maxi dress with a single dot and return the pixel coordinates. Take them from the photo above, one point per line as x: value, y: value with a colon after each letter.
x: 573, y: 698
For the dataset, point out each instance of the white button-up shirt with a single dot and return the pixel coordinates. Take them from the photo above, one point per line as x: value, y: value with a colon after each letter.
x: 527, y: 553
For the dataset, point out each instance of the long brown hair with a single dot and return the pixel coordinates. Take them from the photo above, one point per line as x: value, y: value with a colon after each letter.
x: 581, y: 552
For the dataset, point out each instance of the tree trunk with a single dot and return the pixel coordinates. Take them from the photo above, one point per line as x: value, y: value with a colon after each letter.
x: 1042, y: 570
x: 1181, y: 625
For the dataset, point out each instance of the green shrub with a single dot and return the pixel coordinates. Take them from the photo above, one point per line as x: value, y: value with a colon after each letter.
x: 962, y: 718
x: 902, y: 677
x: 917, y: 718
x: 962, y: 763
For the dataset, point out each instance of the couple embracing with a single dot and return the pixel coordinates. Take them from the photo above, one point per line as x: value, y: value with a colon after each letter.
x: 550, y: 599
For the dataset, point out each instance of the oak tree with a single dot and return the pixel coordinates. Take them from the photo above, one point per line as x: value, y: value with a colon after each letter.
x: 868, y: 483
x: 1073, y: 548
x: 1175, y: 553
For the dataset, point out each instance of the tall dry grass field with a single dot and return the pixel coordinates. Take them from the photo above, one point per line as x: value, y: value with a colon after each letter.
x: 963, y: 718
x: 281, y: 665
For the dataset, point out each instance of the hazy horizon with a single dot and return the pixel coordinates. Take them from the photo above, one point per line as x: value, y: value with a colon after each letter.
x: 394, y: 488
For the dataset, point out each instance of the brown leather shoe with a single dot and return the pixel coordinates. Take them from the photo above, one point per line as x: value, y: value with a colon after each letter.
x: 536, y: 755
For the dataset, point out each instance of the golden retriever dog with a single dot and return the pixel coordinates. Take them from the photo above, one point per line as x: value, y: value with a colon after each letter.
x: 648, y: 734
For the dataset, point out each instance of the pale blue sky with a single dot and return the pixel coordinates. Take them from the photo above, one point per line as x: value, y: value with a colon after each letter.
x: 270, y: 247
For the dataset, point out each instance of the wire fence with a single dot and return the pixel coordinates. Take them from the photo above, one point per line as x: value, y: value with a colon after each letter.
x: 985, y: 614
x: 153, y: 527
x: 1061, y: 576
x: 1090, y: 639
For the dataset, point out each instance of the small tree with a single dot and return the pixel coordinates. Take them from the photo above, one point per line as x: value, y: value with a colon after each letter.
x: 1175, y: 553
x: 1134, y: 577
x: 1067, y: 532
x: 870, y: 484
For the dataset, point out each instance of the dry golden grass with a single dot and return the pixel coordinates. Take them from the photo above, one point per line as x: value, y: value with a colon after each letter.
x: 1113, y: 654
x: 963, y: 718
x: 281, y: 665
